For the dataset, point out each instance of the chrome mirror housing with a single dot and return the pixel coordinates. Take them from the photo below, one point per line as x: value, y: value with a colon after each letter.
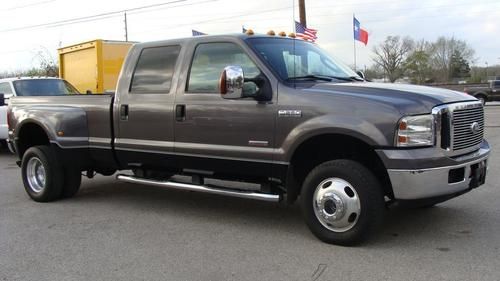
x: 231, y: 82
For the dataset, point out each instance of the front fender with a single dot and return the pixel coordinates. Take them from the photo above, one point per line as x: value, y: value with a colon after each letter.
x: 329, y: 124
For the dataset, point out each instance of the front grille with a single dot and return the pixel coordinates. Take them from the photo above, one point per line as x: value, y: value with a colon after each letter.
x: 463, y: 119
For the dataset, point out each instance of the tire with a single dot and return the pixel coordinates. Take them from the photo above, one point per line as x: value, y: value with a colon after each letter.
x: 482, y: 99
x: 342, y: 202
x: 72, y: 183
x: 42, y: 174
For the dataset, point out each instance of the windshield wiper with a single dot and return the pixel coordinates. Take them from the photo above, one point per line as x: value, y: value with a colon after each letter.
x: 347, y: 78
x: 311, y: 77
x: 326, y: 78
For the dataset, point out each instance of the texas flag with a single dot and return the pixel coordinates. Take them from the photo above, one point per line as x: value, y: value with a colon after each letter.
x: 359, y: 33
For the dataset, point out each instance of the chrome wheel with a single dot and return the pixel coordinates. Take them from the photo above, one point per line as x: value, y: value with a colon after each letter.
x: 36, y: 174
x: 336, y: 204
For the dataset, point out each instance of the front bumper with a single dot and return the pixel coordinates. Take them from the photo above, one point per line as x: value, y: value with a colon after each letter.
x: 467, y: 172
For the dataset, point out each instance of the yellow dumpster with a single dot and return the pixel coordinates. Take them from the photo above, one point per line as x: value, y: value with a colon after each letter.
x: 94, y: 65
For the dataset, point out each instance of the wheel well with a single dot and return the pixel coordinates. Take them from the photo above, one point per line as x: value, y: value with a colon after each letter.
x: 481, y: 94
x: 30, y: 135
x: 323, y: 148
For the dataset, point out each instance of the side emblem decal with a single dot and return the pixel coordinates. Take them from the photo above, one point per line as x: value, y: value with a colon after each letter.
x: 289, y: 113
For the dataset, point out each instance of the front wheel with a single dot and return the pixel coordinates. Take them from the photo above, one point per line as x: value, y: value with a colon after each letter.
x: 342, y: 202
x: 42, y: 174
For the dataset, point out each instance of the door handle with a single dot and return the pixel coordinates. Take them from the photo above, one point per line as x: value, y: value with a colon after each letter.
x: 124, y: 112
x: 180, y: 112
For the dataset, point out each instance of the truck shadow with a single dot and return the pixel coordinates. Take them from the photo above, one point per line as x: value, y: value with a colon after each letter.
x: 401, y: 227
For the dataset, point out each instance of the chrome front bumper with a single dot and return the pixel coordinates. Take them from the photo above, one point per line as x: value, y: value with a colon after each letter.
x: 440, y: 181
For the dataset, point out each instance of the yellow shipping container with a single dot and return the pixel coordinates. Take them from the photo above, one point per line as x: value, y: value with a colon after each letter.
x: 94, y: 65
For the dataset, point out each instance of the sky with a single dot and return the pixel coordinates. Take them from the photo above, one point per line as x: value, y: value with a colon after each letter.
x: 25, y: 33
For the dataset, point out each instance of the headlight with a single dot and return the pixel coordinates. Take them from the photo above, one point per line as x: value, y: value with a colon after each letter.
x: 415, y: 131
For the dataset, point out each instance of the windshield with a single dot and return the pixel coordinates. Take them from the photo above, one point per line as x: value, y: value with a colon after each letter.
x: 44, y: 87
x: 302, y: 59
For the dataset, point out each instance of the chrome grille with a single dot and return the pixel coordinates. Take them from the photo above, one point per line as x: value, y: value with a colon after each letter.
x: 463, y: 120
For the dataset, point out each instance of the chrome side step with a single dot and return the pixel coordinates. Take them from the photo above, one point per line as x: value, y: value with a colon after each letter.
x: 201, y: 188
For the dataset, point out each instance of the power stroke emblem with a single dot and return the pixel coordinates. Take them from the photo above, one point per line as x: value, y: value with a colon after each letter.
x: 289, y: 113
x: 474, y: 127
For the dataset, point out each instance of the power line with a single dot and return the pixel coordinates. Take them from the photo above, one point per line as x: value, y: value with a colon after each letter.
x: 27, y: 5
x: 221, y: 18
x: 120, y: 14
x: 97, y: 16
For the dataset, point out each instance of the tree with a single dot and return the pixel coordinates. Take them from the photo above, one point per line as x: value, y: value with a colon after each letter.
x: 459, y: 67
x: 391, y: 54
x: 417, y: 63
x: 442, y: 52
x: 374, y: 72
x: 47, y: 64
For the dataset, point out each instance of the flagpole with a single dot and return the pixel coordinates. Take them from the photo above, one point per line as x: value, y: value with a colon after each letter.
x: 354, y: 41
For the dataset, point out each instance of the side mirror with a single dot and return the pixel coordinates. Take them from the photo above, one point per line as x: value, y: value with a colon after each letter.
x: 2, y: 99
x: 361, y: 74
x: 231, y: 82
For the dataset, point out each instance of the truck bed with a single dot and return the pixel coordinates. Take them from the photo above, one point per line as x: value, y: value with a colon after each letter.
x: 76, y: 122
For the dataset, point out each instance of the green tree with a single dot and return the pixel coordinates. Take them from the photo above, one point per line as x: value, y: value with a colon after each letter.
x: 459, y: 67
x: 417, y: 64
x: 441, y: 56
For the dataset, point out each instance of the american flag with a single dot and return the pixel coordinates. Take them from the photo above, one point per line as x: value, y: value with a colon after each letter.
x: 197, y: 33
x: 305, y: 33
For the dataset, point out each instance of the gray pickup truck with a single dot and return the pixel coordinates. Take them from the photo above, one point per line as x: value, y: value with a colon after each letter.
x: 275, y: 113
x: 489, y: 92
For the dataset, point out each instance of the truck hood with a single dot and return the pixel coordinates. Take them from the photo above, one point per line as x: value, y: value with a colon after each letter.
x: 408, y: 99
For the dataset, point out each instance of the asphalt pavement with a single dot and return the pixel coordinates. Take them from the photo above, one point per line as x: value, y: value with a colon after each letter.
x: 119, y: 231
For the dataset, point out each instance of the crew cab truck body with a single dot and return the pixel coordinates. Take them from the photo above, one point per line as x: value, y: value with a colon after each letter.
x: 273, y: 111
x: 491, y: 92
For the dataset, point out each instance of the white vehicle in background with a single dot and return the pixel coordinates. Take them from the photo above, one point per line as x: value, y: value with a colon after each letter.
x: 3, y: 126
x: 28, y: 86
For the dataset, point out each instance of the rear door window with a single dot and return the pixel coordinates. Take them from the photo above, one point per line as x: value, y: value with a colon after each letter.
x: 154, y: 70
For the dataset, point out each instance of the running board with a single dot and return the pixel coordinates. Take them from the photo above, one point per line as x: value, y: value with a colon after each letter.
x: 201, y: 188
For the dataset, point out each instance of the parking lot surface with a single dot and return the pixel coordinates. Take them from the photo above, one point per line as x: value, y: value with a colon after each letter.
x: 118, y: 231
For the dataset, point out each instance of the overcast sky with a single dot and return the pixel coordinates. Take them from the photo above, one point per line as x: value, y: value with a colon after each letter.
x: 477, y: 22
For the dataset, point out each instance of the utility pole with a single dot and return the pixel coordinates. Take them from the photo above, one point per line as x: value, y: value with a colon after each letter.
x: 302, y: 12
x: 126, y: 27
